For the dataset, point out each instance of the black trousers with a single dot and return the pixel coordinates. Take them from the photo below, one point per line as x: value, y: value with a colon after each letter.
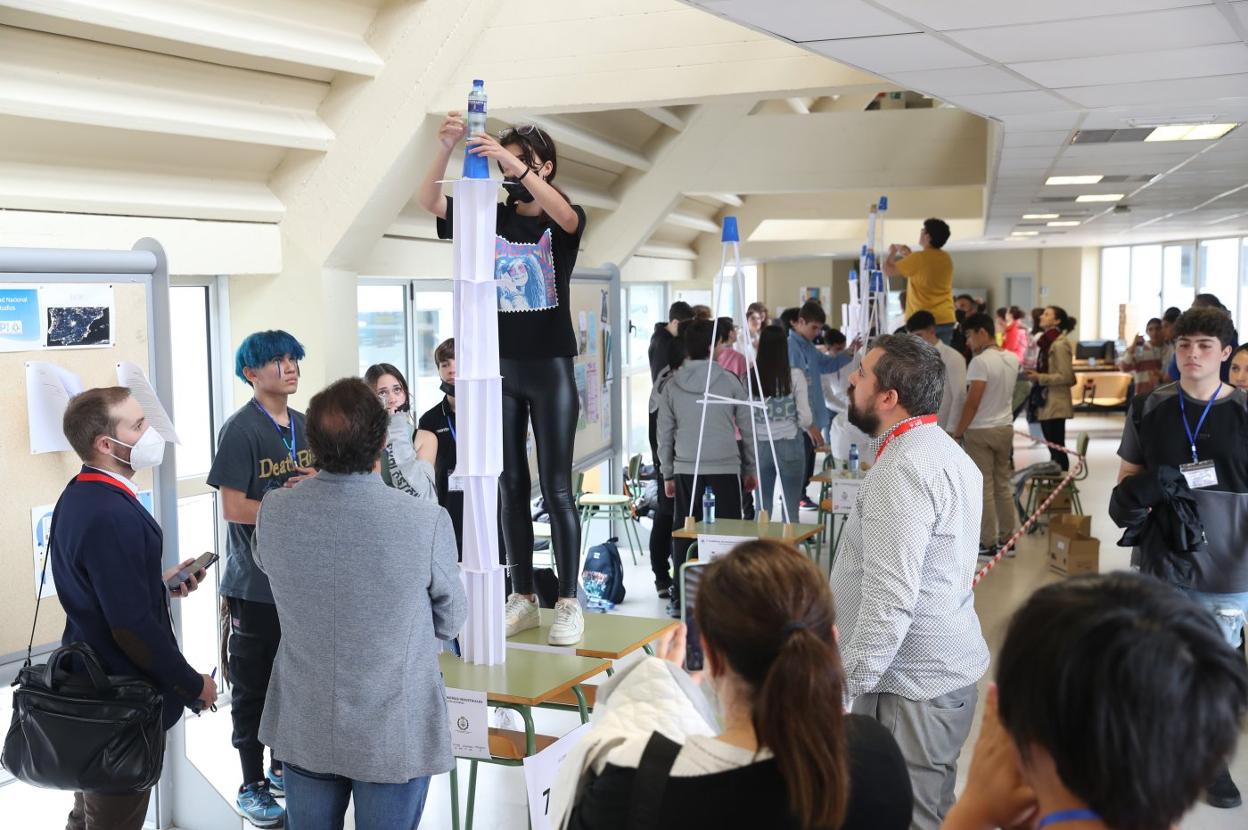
x: 727, y: 489
x: 254, y: 635
x: 97, y: 811
x: 1054, y: 430
x: 809, y: 443
x: 661, y: 532
x: 544, y: 391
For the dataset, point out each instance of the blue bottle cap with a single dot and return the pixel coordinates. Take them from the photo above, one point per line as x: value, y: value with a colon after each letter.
x: 853, y: 274
x: 864, y: 250
x: 731, y: 234
x: 478, y: 82
x: 883, y: 203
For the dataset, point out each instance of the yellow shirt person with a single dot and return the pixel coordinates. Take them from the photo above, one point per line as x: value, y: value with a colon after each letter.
x: 928, y: 273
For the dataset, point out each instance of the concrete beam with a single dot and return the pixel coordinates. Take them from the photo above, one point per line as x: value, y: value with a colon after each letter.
x: 729, y: 199
x: 665, y: 117
x: 663, y: 250
x: 691, y: 221
x: 563, y: 132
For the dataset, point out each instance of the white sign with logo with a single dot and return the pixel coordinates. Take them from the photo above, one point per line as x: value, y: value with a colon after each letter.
x: 540, y: 771
x: 712, y: 547
x: 844, y: 494
x: 469, y: 722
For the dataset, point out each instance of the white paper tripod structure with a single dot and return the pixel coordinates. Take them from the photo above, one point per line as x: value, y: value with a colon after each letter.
x: 867, y: 312
x: 732, y: 244
x: 479, y: 416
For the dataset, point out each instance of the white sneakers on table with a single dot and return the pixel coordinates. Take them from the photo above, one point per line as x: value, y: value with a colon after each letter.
x: 521, y: 614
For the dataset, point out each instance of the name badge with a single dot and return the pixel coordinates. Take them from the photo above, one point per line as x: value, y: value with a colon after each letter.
x: 456, y: 484
x: 1201, y: 474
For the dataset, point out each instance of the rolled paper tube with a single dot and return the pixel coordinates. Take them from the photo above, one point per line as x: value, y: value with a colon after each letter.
x: 763, y: 518
x: 691, y: 523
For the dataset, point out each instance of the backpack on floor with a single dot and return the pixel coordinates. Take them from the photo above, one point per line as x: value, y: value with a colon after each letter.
x: 604, y: 567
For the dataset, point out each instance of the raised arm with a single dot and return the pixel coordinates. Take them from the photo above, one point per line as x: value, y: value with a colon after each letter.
x: 431, y: 197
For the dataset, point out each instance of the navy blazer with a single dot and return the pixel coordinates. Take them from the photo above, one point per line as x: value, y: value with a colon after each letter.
x: 106, y: 560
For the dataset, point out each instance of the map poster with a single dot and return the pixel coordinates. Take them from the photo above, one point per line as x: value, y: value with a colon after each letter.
x: 19, y: 319
x: 77, y: 315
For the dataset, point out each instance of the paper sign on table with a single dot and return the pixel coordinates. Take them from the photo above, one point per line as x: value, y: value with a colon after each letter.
x: 712, y: 547
x: 540, y: 771
x: 469, y: 721
x: 132, y: 377
x: 844, y: 494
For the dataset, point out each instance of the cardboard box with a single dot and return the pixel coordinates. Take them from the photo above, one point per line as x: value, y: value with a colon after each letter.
x: 1070, y: 555
x: 1068, y: 524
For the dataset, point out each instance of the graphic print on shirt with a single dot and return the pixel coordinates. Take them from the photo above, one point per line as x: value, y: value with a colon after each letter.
x: 524, y: 274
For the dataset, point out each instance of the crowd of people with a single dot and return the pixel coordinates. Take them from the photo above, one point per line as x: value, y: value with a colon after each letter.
x: 825, y: 702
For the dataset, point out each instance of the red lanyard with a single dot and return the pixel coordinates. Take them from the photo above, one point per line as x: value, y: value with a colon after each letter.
x: 109, y: 480
x: 904, y: 426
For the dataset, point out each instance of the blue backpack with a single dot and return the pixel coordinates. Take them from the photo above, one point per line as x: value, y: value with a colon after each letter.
x: 603, y: 567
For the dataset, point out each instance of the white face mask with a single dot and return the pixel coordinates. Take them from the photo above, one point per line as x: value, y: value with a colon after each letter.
x: 148, y: 451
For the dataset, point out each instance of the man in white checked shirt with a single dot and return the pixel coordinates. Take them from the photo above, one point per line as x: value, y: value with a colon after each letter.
x: 910, y: 637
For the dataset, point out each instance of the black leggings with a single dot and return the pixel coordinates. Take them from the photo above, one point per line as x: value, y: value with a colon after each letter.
x: 1054, y: 430
x: 543, y: 390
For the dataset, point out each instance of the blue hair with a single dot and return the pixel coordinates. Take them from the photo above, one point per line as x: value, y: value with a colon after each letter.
x: 263, y: 347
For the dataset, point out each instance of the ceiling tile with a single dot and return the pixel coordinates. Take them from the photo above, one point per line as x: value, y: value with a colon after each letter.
x: 944, y: 83
x: 1180, y: 91
x: 803, y: 20
x: 1196, y: 62
x: 971, y: 14
x: 895, y: 53
x: 1046, y: 151
x: 1010, y: 103
x: 1046, y: 121
x: 1228, y: 109
x: 1144, y: 32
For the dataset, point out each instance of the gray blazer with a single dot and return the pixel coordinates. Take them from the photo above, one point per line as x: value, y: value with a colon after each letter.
x: 365, y: 581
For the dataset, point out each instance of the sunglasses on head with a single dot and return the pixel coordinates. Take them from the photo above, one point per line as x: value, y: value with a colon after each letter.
x: 526, y: 130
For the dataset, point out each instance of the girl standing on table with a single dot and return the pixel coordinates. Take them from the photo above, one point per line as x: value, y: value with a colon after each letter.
x: 538, y: 236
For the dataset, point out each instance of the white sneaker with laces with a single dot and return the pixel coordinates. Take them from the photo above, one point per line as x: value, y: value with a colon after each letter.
x: 520, y: 614
x: 569, y: 624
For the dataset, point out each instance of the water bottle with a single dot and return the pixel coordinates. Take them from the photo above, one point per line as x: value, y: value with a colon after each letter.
x: 853, y: 460
x: 475, y: 167
x: 708, y: 506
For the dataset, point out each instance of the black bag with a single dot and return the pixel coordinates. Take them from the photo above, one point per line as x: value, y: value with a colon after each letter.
x: 83, y: 731
x: 546, y: 586
x: 603, y: 565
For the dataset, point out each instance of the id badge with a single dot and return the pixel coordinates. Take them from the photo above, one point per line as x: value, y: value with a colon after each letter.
x: 456, y: 484
x: 1200, y: 474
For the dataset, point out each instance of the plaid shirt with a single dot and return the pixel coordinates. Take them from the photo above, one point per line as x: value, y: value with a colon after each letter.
x: 902, y: 578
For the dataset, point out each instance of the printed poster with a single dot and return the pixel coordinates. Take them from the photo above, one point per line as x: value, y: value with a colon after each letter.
x: 469, y: 723
x: 582, y: 420
x: 19, y: 319
x: 604, y: 315
x: 77, y: 315
x: 40, y: 527
x: 592, y: 336
x: 593, y: 393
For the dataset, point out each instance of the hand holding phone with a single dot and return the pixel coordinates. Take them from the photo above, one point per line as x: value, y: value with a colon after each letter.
x: 690, y: 577
x: 185, y: 577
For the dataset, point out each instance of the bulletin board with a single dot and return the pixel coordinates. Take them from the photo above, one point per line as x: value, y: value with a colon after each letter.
x: 34, y: 480
x: 594, y: 306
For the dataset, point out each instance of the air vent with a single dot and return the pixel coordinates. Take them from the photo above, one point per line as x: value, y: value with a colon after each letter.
x: 1140, y: 178
x: 1110, y: 136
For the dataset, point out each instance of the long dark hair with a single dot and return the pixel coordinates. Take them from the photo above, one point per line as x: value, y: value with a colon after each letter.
x: 773, y: 363
x: 378, y: 370
x: 766, y: 610
x: 535, y: 144
x: 1065, y: 323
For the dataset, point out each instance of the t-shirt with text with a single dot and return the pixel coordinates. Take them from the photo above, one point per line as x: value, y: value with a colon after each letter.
x: 533, y: 262
x: 999, y: 370
x: 252, y: 458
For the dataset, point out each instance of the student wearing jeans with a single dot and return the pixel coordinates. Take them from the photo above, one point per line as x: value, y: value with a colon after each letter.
x: 986, y: 429
x: 787, y: 416
x: 723, y: 464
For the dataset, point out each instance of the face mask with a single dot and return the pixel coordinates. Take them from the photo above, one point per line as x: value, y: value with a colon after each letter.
x: 147, y: 452
x: 448, y: 388
x: 516, y: 190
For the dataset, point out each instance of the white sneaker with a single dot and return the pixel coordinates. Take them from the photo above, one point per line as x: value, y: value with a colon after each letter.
x: 520, y: 614
x: 569, y: 624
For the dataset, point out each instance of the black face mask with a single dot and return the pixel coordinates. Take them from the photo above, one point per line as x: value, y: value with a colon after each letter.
x: 448, y: 388
x: 516, y: 191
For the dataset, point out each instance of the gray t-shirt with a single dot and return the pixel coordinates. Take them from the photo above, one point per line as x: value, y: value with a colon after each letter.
x: 253, y: 457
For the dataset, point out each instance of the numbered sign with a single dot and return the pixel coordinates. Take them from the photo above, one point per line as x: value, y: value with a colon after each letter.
x: 540, y: 772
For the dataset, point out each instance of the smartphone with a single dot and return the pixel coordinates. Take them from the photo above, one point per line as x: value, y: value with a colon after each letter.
x: 690, y: 577
x: 195, y: 567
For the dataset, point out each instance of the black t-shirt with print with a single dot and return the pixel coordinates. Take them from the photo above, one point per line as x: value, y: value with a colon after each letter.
x: 252, y: 458
x: 533, y: 262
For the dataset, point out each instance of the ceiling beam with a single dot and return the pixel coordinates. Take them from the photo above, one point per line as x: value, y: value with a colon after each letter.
x: 797, y: 105
x: 692, y: 221
x: 666, y: 250
x: 595, y: 145
x: 665, y: 116
x: 729, y: 199
x: 589, y: 196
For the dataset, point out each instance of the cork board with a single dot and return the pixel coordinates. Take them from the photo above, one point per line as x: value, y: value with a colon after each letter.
x: 33, y: 480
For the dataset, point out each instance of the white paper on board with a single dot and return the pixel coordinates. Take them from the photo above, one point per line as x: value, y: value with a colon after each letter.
x: 77, y: 315
x: 712, y: 546
x: 132, y: 377
x: 540, y: 772
x: 40, y: 529
x: 48, y: 390
x: 469, y: 722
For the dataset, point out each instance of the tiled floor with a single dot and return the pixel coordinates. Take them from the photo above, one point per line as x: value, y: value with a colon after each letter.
x: 501, y: 799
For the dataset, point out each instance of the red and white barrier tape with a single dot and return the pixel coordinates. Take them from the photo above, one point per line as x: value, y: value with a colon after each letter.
x: 1031, y: 520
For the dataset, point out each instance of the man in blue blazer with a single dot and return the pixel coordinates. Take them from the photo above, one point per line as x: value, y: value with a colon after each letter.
x: 105, y: 551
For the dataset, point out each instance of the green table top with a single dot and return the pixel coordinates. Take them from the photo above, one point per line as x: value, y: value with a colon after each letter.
x: 528, y: 677
x: 745, y: 527
x: 609, y: 636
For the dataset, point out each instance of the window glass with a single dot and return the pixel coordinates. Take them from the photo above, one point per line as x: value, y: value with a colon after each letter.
x: 1219, y: 269
x: 637, y: 438
x: 1115, y: 288
x: 197, y: 533
x: 645, y: 308
x: 192, y: 378
x: 1145, y: 283
x: 433, y: 320
x: 1177, y: 285
x: 382, y: 321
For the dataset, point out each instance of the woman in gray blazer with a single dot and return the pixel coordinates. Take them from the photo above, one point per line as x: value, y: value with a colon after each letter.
x: 366, y: 582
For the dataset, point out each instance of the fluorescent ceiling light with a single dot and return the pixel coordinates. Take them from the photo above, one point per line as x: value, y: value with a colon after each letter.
x: 1041, y: 215
x: 1190, y: 132
x: 1073, y: 179
x: 1025, y: 233
x: 1063, y: 224
x: 1100, y: 197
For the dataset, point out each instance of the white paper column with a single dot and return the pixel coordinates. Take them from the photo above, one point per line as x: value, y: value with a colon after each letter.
x: 479, y: 415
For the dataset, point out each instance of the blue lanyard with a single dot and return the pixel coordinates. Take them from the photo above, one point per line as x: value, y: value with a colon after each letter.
x: 1183, y: 411
x: 1068, y: 815
x: 450, y: 423
x: 290, y: 447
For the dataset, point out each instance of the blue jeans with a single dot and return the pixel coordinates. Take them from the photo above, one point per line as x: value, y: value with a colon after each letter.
x: 317, y: 801
x: 944, y: 333
x: 1228, y: 610
x: 791, y: 455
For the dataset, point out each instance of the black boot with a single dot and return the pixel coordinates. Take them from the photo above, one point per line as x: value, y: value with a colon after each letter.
x: 1223, y: 793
